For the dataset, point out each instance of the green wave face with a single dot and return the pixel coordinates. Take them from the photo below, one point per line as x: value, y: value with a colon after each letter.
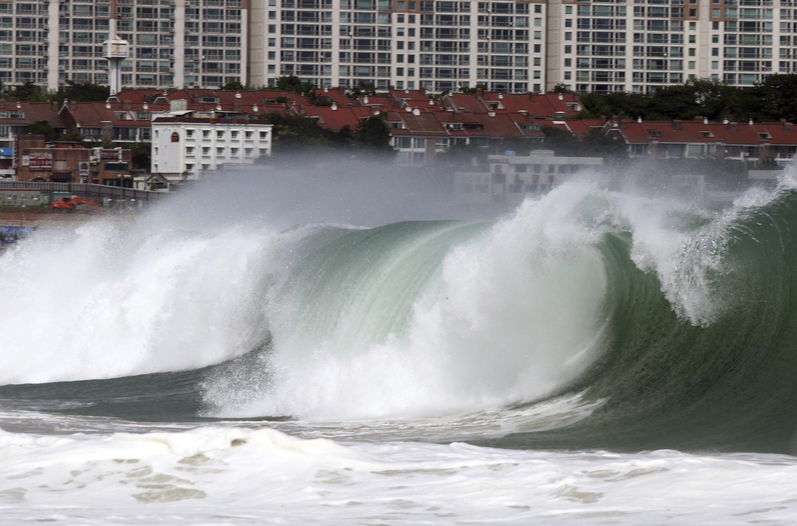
x: 723, y: 382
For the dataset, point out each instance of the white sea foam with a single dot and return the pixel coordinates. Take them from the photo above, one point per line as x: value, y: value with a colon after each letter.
x: 117, y: 299
x: 218, y: 475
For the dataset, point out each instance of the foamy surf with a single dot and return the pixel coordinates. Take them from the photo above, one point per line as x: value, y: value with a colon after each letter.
x: 228, y: 475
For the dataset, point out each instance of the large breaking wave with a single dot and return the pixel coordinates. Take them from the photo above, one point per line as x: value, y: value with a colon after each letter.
x: 677, y: 324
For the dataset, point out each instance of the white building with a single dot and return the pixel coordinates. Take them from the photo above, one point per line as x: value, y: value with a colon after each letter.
x: 184, y: 147
x: 511, y: 178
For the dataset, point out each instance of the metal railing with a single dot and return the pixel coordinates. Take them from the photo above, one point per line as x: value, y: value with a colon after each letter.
x: 95, y: 192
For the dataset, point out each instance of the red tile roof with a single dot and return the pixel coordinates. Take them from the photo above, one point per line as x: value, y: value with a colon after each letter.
x: 93, y: 114
x: 335, y: 119
x: 706, y: 132
x: 31, y: 112
x: 542, y: 105
x: 208, y: 99
x: 336, y: 95
x: 550, y: 105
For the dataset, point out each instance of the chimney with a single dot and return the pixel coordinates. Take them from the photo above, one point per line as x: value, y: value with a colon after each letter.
x: 106, y: 134
x: 178, y: 105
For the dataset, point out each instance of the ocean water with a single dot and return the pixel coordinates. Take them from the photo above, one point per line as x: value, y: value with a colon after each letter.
x: 593, y: 357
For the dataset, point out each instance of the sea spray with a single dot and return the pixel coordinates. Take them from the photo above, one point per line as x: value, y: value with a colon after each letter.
x: 113, y: 299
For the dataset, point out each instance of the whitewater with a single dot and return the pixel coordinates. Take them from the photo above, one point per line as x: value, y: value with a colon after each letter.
x: 292, y: 348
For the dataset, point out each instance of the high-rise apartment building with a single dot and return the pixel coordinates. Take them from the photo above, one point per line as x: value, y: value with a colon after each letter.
x: 604, y: 46
x: 438, y: 45
x: 172, y: 43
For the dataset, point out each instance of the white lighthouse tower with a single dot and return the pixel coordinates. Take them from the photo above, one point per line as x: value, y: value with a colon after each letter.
x: 116, y: 51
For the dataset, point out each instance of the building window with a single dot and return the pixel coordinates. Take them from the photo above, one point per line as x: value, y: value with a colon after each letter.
x: 175, y: 137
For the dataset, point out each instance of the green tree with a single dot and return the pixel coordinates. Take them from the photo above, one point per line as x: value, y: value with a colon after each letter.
x: 778, y: 98
x: 142, y: 155
x: 623, y: 105
x: 233, y: 85
x: 560, y: 141
x: 27, y: 92
x: 703, y: 97
x: 42, y: 128
x: 82, y: 92
x: 373, y: 134
x: 343, y: 138
x: 72, y: 135
x: 294, y: 133
x: 598, y: 144
x: 293, y: 83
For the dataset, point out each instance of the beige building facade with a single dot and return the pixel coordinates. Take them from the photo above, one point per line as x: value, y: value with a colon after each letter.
x: 173, y: 43
x: 437, y: 45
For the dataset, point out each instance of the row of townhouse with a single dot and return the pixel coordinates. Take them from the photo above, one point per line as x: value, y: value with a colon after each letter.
x: 194, y: 131
x: 765, y: 143
x: 425, y: 129
x: 439, y: 45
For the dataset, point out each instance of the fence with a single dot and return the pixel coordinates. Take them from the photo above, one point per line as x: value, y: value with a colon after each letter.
x: 95, y: 192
